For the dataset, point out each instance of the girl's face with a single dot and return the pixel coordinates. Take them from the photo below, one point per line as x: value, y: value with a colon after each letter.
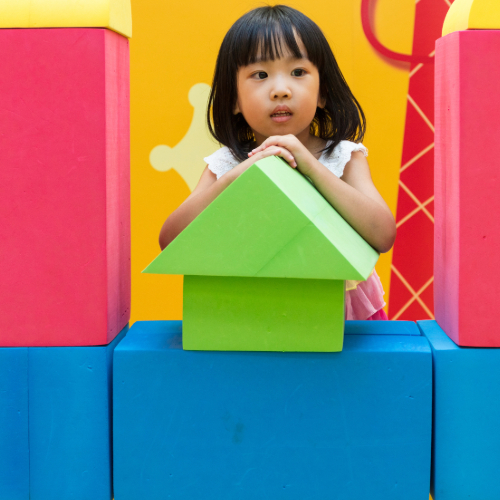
x: 279, y: 97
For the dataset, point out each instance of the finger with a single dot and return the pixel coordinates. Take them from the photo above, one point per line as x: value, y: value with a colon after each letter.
x: 282, y: 152
x: 259, y: 148
x: 274, y: 140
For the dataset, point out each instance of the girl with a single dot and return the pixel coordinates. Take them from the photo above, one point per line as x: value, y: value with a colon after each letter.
x: 278, y: 90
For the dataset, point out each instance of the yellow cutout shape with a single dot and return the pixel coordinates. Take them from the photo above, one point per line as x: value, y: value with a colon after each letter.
x: 187, y: 156
x: 472, y: 15
x: 113, y: 14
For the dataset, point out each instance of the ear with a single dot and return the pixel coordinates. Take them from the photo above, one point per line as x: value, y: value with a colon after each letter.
x: 236, y: 109
x: 321, y: 101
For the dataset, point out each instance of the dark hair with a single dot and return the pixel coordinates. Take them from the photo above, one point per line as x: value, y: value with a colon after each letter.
x: 267, y: 32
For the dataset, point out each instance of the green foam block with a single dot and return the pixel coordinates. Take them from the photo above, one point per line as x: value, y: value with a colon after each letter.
x: 262, y: 314
x: 270, y: 222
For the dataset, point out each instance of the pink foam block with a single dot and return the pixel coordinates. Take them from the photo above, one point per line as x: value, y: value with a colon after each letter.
x: 467, y: 187
x: 64, y: 187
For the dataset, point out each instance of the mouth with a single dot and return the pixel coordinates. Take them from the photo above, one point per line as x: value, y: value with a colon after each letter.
x: 281, y: 114
x: 281, y: 111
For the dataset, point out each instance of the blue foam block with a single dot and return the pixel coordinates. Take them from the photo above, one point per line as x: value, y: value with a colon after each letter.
x: 195, y: 425
x: 466, y: 419
x: 70, y: 413
x: 14, y: 452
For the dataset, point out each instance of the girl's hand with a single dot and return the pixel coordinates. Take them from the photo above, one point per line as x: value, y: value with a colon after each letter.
x: 273, y: 150
x: 301, y: 157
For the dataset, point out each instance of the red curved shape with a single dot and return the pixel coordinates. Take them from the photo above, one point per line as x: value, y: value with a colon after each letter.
x: 365, y: 20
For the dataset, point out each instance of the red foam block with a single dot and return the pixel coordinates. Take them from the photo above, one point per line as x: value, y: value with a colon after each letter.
x: 467, y: 187
x: 64, y: 187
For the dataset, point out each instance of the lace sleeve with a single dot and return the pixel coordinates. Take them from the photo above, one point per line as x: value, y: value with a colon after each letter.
x: 221, y: 162
x: 337, y: 161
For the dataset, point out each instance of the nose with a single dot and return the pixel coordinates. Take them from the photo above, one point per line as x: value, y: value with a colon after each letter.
x: 280, y: 90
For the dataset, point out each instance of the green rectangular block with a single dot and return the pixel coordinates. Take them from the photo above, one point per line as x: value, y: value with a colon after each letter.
x: 263, y: 314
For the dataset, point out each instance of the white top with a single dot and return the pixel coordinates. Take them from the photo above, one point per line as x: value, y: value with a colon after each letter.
x: 222, y: 161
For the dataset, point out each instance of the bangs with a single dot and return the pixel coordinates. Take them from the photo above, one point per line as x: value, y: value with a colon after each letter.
x: 265, y: 40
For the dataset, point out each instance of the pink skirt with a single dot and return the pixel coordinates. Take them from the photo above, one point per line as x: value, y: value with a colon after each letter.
x: 366, y: 301
x: 379, y: 316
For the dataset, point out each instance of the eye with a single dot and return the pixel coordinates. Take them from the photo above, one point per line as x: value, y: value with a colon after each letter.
x: 298, y: 72
x: 260, y: 75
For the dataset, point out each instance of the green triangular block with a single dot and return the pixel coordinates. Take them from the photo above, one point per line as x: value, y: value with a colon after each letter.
x: 270, y: 222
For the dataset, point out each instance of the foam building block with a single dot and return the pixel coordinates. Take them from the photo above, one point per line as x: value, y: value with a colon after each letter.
x: 467, y: 230
x: 277, y: 224
x: 265, y: 265
x: 466, y: 413
x: 263, y: 314
x: 14, y: 444
x: 223, y: 425
x: 64, y: 186
x: 472, y: 14
x: 70, y: 421
x: 112, y: 14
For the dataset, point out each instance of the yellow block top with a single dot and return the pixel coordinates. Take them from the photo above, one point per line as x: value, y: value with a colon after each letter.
x: 113, y: 14
x: 472, y: 15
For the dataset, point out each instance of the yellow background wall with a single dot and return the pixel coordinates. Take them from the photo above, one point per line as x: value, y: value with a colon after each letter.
x: 174, y: 47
